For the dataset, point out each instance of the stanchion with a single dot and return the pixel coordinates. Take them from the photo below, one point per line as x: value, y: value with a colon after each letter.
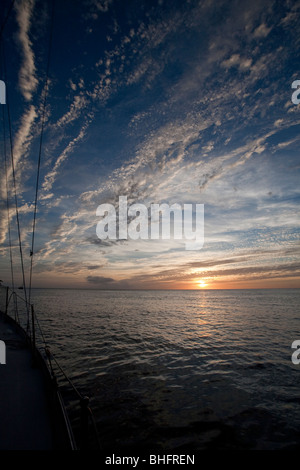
x: 84, y: 422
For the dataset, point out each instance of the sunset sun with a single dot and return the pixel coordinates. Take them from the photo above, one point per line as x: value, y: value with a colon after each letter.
x: 202, y: 284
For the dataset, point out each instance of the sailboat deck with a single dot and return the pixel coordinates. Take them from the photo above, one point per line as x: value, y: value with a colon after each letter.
x: 24, y: 414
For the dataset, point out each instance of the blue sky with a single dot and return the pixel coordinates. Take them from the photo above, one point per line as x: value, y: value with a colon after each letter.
x: 159, y: 101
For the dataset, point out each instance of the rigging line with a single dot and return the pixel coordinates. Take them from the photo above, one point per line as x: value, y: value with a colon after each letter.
x: 67, y: 378
x: 40, y: 146
x: 15, y: 191
x: 7, y: 201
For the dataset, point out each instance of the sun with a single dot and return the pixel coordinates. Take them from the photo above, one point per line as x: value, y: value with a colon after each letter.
x: 202, y: 284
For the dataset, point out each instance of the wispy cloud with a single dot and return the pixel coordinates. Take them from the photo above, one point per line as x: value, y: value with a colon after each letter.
x: 243, y: 63
x: 262, y: 31
x: 77, y: 106
x: 27, y: 74
x: 21, y: 146
x: 51, y: 175
x: 96, y: 7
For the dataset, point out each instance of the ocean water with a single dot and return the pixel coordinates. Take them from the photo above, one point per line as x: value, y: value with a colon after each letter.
x: 179, y: 371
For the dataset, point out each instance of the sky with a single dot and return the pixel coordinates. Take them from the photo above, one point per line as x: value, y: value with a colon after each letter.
x: 175, y: 102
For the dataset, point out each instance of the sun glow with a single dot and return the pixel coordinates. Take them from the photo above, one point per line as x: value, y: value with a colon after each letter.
x: 202, y: 284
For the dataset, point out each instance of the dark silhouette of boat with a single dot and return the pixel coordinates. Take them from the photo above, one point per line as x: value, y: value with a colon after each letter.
x: 32, y: 412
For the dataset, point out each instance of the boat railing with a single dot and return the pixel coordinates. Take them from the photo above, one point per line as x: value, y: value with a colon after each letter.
x: 16, y: 309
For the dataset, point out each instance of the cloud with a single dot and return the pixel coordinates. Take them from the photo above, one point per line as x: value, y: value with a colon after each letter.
x: 78, y: 104
x: 3, y: 222
x: 99, y: 280
x: 51, y: 176
x: 96, y: 7
x: 21, y: 146
x: 110, y: 283
x: 262, y: 31
x: 27, y: 75
x: 243, y: 63
x: 258, y: 265
x: 292, y: 16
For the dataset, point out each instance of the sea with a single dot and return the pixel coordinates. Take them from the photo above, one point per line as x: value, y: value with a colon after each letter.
x: 175, y: 371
